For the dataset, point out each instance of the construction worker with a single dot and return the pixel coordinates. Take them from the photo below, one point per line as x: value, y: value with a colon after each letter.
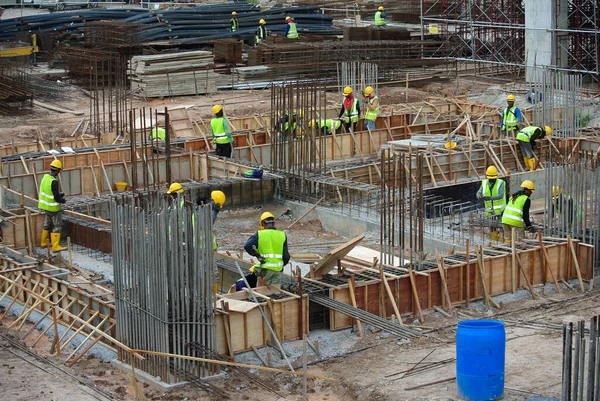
x: 217, y: 200
x: 350, y: 110
x: 220, y: 132
x: 526, y: 139
x: 50, y: 200
x: 270, y: 247
x: 564, y: 209
x: 250, y: 278
x: 516, y: 213
x: 372, y: 101
x: 511, y: 117
x: 261, y: 32
x: 291, y: 31
x: 492, y: 193
x: 290, y: 126
x: 256, y: 173
x: 328, y: 126
x: 380, y: 17
x: 175, y: 189
x: 233, y: 22
x: 158, y: 133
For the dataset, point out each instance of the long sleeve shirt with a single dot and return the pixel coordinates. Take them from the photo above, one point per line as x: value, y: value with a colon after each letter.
x: 58, y: 196
x: 287, y: 29
x: 253, y: 242
x: 526, y: 207
x: 538, y: 134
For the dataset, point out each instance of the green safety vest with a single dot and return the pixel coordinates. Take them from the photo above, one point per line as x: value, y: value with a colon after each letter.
x: 509, y: 118
x: 379, y: 20
x: 234, y: 24
x: 558, y: 206
x: 47, y: 201
x: 493, y: 208
x: 352, y: 113
x: 217, y: 125
x: 526, y: 133
x: 261, y: 33
x: 330, y: 124
x: 513, y: 214
x: 270, y: 247
x: 372, y: 114
x: 293, y: 32
x: 182, y: 206
x: 158, y: 133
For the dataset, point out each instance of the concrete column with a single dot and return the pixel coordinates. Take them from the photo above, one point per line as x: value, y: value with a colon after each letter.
x: 539, y: 19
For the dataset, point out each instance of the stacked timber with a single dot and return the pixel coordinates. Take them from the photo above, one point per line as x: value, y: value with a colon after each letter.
x: 228, y: 51
x: 252, y: 74
x: 173, y: 74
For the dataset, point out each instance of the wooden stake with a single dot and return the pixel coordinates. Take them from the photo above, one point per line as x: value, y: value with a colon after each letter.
x: 306, y: 213
x: 513, y: 276
x: 468, y: 280
x: 440, y: 263
x: 415, y: 295
x: 486, y: 298
x: 304, y: 363
x: 548, y: 265
x: 353, y: 300
x: 574, y: 254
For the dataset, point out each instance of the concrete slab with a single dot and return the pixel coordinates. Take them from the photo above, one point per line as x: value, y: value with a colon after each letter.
x: 147, y: 378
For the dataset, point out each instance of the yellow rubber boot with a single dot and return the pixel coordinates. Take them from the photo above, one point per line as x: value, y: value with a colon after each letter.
x: 55, y: 238
x: 45, y: 234
x: 532, y: 164
x: 526, y: 161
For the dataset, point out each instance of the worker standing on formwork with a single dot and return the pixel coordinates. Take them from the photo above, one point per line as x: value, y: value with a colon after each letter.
x: 511, y: 117
x: 233, y: 22
x: 50, y: 200
x: 261, y: 32
x: 291, y: 30
x: 350, y: 110
x: 526, y: 139
x: 372, y: 102
x: 270, y: 247
x: 516, y: 213
x: 219, y: 127
x: 328, y: 126
x: 380, y: 17
x: 492, y: 193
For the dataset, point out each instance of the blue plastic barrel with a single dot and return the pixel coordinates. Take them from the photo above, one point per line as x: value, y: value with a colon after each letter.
x: 480, y: 349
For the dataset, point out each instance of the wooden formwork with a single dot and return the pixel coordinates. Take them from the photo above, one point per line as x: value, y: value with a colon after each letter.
x: 240, y: 325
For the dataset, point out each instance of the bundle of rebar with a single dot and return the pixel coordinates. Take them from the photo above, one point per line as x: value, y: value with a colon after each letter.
x: 581, y: 382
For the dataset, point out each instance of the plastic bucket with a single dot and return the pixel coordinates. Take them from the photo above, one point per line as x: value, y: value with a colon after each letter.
x: 121, y: 186
x: 480, y: 352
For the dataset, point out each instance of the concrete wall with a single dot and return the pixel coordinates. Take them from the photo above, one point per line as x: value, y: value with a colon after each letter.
x: 539, y: 17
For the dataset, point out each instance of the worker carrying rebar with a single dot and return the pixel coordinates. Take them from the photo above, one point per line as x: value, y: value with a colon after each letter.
x: 291, y: 29
x: 50, y: 199
x: 327, y: 127
x: 269, y: 245
x: 261, y: 32
x: 350, y: 110
x: 372, y: 103
x: 565, y: 210
x: 511, y: 117
x: 233, y: 22
x: 380, y: 17
x: 492, y: 193
x: 250, y: 278
x: 219, y: 127
x: 526, y: 139
x: 516, y: 213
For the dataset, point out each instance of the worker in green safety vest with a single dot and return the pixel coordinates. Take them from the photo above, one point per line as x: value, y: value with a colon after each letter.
x: 350, y: 110
x: 291, y: 30
x: 220, y: 132
x: 380, y: 17
x: 50, y: 199
x: 492, y: 193
x: 261, y: 32
x: 233, y: 22
x: 516, y: 213
x: 328, y: 126
x: 564, y: 209
x: 511, y: 117
x: 526, y: 139
x: 372, y: 103
x: 270, y: 247
x: 158, y: 133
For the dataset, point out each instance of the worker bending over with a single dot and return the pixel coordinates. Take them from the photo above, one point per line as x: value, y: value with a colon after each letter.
x: 270, y: 247
x: 250, y: 278
x: 350, y: 110
x: 492, y: 193
x: 526, y: 139
x: 380, y: 17
x: 372, y: 102
x: 291, y: 30
x: 50, y: 199
x: 220, y: 132
x: 233, y: 22
x: 511, y: 117
x: 328, y: 126
x: 261, y: 32
x: 516, y: 213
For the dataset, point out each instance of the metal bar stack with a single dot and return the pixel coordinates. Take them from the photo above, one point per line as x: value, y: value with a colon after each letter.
x: 581, y: 361
x: 164, y: 278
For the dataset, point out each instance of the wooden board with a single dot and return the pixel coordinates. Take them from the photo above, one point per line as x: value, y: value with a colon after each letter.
x: 332, y: 258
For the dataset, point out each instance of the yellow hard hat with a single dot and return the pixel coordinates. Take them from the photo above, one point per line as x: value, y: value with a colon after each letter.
x: 369, y: 90
x: 548, y: 130
x: 233, y: 13
x: 491, y: 172
x: 265, y: 216
x: 252, y: 268
x: 347, y: 90
x: 556, y: 190
x: 57, y: 164
x: 175, y: 187
x: 510, y: 98
x: 528, y: 184
x: 218, y: 197
x: 262, y: 22
x: 288, y: 18
x: 380, y: 8
x: 312, y: 124
x: 217, y: 108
